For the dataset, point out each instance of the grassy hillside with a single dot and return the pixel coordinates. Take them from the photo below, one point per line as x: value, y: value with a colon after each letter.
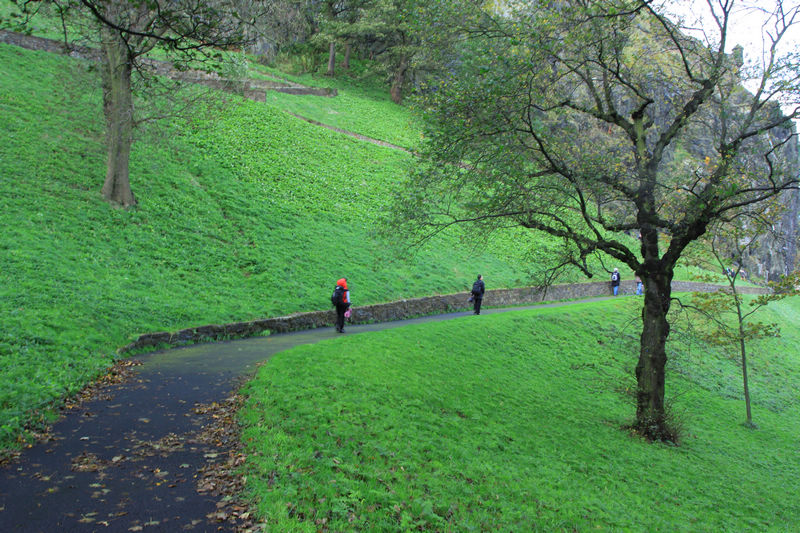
x: 513, y: 422
x: 249, y: 214
x: 244, y: 212
x: 359, y: 107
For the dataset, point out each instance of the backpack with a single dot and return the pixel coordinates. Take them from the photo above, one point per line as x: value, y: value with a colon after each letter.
x: 476, y: 288
x: 337, y: 298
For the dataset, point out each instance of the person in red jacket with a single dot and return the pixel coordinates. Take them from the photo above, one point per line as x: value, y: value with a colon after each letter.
x: 341, y: 300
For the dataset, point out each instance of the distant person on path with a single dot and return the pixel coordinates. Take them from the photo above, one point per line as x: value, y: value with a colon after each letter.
x: 478, y: 288
x: 615, y: 279
x: 639, y: 286
x: 341, y: 301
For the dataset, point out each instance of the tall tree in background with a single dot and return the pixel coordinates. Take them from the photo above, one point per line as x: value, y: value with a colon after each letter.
x: 276, y: 24
x: 331, y: 11
x: 401, y: 33
x: 341, y: 22
x: 187, y: 31
x: 584, y: 120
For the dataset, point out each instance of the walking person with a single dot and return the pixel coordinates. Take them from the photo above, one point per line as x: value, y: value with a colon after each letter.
x: 478, y: 288
x: 639, y: 286
x: 341, y: 301
x: 615, y: 279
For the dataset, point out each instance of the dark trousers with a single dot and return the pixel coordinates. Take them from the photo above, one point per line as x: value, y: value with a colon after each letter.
x: 340, y: 309
x: 476, y: 304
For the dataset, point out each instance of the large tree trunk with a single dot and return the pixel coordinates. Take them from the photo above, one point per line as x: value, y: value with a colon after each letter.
x: 650, y: 371
x: 331, y: 60
x: 118, y: 110
x: 347, y: 50
x: 399, y: 79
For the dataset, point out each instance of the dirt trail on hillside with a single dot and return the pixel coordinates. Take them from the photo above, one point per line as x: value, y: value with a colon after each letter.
x: 139, y: 455
x: 351, y: 133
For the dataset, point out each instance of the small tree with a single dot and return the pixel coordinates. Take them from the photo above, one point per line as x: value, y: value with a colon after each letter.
x: 341, y: 23
x: 726, y: 247
x: 390, y: 33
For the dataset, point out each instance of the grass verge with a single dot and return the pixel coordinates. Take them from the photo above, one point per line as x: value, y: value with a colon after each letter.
x: 511, y: 422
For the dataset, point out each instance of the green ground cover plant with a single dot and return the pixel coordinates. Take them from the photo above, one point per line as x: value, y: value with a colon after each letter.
x: 360, y: 106
x: 513, y: 422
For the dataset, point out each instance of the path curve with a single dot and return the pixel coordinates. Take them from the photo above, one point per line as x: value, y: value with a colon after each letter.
x: 133, y: 458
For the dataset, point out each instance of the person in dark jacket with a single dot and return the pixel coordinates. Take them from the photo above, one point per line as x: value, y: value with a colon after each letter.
x: 478, y: 288
x: 615, y: 279
x: 341, y: 302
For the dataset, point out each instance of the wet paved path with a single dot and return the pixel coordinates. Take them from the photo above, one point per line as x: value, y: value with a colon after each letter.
x: 132, y: 458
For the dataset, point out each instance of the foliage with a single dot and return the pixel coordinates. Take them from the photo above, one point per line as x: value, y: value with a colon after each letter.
x: 420, y: 38
x: 399, y: 37
x: 560, y: 119
x: 511, y: 422
x: 341, y: 22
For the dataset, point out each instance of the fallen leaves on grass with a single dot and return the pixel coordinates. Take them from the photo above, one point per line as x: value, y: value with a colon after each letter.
x: 222, y: 476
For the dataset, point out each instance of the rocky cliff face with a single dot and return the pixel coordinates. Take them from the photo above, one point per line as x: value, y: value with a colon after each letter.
x: 776, y: 254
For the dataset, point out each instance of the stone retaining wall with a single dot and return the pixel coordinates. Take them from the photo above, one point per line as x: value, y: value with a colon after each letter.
x: 402, y: 309
x: 47, y: 45
x: 252, y: 89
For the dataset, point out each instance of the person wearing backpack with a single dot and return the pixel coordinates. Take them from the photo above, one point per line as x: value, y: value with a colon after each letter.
x: 341, y: 301
x: 615, y: 279
x: 478, y: 288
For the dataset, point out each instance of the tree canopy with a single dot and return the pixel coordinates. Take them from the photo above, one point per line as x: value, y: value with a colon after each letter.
x: 588, y: 120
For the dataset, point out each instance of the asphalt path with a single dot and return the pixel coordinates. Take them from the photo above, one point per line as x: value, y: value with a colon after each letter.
x: 133, y: 457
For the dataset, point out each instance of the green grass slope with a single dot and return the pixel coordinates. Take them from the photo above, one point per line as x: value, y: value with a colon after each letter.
x: 252, y: 214
x: 513, y: 422
x: 358, y: 107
